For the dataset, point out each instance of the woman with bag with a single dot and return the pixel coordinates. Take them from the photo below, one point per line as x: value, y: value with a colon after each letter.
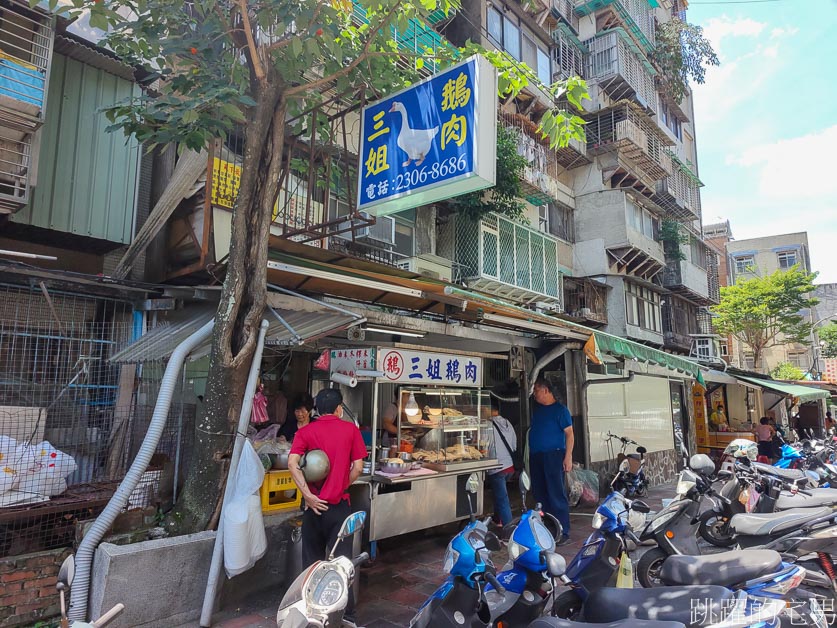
x: 505, y: 445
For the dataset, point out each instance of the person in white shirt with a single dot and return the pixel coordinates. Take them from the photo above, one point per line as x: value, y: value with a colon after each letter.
x: 505, y: 444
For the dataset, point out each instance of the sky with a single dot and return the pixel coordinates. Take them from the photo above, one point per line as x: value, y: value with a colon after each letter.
x: 766, y: 121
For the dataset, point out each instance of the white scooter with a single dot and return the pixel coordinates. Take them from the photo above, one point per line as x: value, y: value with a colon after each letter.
x: 65, y: 581
x: 319, y: 595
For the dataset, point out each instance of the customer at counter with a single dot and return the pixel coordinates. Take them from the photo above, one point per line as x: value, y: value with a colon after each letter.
x: 303, y: 411
x: 327, y: 504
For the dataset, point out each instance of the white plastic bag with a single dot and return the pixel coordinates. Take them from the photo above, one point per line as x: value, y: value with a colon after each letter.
x: 244, y: 539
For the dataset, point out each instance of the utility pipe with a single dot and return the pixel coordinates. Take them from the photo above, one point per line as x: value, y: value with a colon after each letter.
x: 87, y: 548
x: 554, y: 353
x: 214, y: 577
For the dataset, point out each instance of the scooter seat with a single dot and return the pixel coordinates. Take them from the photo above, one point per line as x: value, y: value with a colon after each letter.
x: 763, y: 524
x: 817, y: 497
x: 789, y: 475
x: 554, y: 622
x: 691, y: 606
x: 726, y: 570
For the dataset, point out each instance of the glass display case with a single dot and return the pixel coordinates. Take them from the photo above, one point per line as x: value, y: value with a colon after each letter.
x: 446, y: 429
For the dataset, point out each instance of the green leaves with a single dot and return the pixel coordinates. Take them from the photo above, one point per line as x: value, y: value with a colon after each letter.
x: 828, y: 336
x: 767, y: 311
x: 682, y: 53
x: 787, y: 371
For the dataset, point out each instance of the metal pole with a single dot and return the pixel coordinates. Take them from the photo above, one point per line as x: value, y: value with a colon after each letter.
x: 243, y: 419
x: 179, y: 437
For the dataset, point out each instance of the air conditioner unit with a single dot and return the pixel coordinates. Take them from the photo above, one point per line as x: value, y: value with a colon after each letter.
x: 429, y: 266
x: 382, y: 231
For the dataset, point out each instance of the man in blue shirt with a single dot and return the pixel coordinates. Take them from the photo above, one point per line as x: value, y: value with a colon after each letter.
x: 551, y: 441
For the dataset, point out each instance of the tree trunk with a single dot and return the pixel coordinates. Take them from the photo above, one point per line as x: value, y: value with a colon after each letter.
x: 239, y: 314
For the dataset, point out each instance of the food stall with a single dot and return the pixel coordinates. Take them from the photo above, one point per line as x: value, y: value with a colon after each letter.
x: 417, y: 479
x: 742, y: 408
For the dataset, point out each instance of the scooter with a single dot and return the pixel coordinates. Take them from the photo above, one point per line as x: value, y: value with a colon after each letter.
x: 66, y: 573
x: 460, y: 600
x: 529, y: 575
x: 319, y: 595
x: 630, y: 481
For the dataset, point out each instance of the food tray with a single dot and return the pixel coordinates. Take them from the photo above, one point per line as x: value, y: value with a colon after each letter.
x: 462, y: 465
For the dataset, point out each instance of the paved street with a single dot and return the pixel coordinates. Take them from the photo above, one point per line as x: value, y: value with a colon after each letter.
x: 407, y: 571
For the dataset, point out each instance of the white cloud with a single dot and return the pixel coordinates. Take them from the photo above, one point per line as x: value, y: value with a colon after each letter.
x: 797, y: 168
x: 717, y: 29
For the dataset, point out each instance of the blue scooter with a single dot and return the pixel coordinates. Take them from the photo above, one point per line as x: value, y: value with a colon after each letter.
x: 460, y: 600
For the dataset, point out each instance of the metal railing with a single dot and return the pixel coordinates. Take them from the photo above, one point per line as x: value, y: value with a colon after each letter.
x: 568, y: 55
x: 585, y: 299
x: 506, y: 257
x: 619, y: 71
x: 26, y: 38
x: 565, y: 10
x: 634, y: 15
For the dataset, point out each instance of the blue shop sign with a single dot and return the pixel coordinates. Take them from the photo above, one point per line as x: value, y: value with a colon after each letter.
x: 434, y: 140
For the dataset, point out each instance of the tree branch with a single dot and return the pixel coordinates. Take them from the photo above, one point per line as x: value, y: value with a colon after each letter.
x: 348, y: 69
x: 258, y: 70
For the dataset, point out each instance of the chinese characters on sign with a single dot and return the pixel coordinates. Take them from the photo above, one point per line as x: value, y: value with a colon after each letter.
x: 226, y: 177
x: 350, y: 361
x: 434, y: 140
x: 419, y: 367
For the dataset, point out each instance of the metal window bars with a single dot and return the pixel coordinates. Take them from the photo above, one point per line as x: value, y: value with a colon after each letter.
x: 619, y: 69
x: 71, y: 421
x: 509, y: 259
x: 568, y: 54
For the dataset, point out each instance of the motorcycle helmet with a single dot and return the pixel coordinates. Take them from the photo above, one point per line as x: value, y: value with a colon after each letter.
x: 742, y: 448
x: 315, y: 465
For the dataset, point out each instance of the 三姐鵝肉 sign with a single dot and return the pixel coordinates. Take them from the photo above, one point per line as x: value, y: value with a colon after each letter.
x: 432, y: 141
x: 426, y: 367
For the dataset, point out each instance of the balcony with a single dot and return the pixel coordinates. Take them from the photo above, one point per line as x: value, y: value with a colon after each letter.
x: 586, y: 300
x: 612, y: 221
x: 690, y: 279
x: 678, y: 194
x: 540, y: 178
x: 568, y: 54
x: 637, y: 144
x: 620, y: 70
x: 506, y: 258
x: 633, y: 15
x: 26, y: 37
x: 679, y: 322
x: 564, y: 10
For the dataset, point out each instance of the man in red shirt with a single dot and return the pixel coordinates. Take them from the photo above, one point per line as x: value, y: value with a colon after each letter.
x: 327, y: 502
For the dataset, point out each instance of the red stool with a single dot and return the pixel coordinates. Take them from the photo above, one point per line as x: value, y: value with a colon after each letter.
x: 763, y: 459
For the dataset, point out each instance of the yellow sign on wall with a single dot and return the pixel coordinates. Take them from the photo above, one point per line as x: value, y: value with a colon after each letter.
x: 226, y: 179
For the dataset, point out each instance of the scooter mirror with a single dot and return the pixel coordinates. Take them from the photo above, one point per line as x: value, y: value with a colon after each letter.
x: 525, y: 482
x: 351, y: 524
x: 492, y: 543
x: 66, y: 573
x: 641, y: 450
x: 473, y: 484
x: 640, y: 506
x: 725, y: 474
x: 556, y: 566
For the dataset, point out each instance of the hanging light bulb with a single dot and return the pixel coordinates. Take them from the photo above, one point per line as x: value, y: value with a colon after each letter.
x: 411, y: 408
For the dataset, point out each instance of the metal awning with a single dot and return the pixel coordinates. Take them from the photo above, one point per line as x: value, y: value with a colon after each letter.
x: 297, y: 321
x: 803, y: 393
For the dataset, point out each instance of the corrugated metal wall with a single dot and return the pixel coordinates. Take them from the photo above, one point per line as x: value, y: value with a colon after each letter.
x: 87, y: 178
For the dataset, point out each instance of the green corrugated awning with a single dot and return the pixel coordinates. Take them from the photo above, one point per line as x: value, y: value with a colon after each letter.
x: 803, y: 393
x: 597, y: 343
x: 622, y: 347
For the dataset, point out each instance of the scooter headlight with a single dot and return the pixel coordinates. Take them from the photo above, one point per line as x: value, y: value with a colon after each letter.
x: 516, y: 549
x: 451, y: 556
x: 598, y: 521
x: 686, y: 482
x: 662, y: 519
x: 326, y: 589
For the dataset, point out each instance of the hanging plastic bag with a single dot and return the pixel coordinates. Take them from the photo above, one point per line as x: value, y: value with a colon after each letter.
x: 258, y: 415
x: 582, y: 487
x: 244, y: 540
x: 625, y: 579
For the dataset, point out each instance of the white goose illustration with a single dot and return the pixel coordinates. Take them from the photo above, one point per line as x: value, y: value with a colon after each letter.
x: 415, y: 142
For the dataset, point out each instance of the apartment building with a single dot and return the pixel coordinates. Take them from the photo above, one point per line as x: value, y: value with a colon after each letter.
x: 717, y: 236
x: 759, y: 257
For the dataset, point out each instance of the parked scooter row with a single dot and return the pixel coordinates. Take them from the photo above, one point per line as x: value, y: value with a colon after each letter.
x: 475, y: 595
